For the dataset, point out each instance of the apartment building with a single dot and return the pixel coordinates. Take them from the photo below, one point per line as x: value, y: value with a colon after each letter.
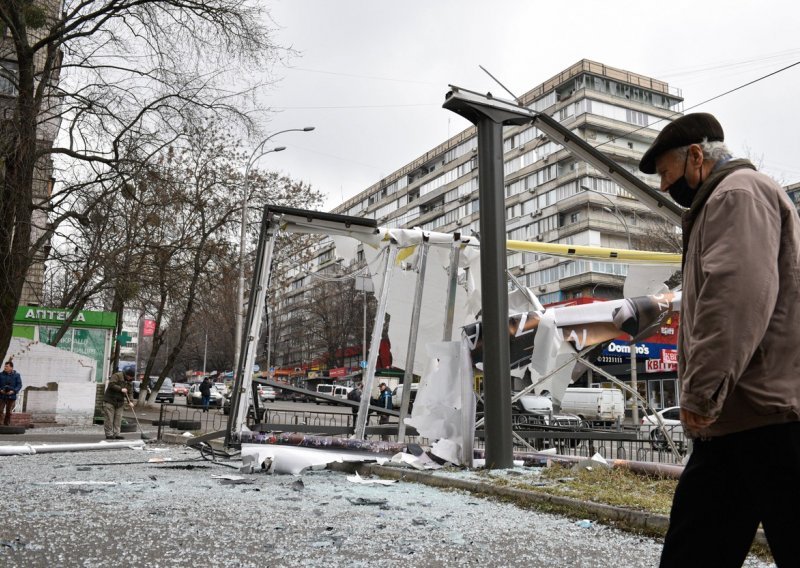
x: 550, y: 196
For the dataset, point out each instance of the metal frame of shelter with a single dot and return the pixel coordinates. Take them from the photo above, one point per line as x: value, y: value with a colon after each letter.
x: 489, y: 114
x: 283, y: 218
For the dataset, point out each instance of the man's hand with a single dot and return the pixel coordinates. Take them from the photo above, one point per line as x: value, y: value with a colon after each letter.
x: 124, y: 391
x: 695, y: 422
x: 131, y: 404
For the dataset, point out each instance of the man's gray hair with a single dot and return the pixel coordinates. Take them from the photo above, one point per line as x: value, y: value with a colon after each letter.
x: 714, y: 151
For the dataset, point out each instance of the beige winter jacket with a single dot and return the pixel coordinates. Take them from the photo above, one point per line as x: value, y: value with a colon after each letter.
x: 739, y: 341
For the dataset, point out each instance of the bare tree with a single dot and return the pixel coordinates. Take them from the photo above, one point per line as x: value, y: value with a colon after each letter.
x: 121, y: 79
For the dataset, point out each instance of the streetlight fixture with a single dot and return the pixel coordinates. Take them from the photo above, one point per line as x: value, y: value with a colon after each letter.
x: 634, y: 378
x: 257, y: 153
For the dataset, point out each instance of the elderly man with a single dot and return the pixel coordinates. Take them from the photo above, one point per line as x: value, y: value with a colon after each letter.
x: 738, y: 351
x: 114, y: 401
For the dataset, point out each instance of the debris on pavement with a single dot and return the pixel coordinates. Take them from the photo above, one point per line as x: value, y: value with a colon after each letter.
x: 358, y: 479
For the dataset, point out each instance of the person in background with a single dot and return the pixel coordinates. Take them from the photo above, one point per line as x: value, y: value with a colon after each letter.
x: 738, y: 356
x: 355, y: 396
x: 384, y: 401
x: 114, y: 400
x: 205, y: 393
x: 10, y: 385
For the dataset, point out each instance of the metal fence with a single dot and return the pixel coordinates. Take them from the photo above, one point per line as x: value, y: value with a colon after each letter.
x: 616, y: 442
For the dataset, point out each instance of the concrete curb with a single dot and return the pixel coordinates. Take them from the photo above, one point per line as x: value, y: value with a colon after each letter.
x: 627, y: 519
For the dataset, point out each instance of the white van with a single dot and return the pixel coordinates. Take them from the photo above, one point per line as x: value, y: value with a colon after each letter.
x: 538, y: 410
x: 333, y: 390
x: 594, y: 404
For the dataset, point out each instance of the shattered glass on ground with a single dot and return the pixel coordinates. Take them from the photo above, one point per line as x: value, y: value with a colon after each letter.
x: 113, y: 508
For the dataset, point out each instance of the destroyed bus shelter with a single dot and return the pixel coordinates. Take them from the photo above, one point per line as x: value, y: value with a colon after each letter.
x: 489, y: 114
x: 430, y: 283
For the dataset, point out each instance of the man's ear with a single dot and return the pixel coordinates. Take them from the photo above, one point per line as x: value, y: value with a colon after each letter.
x: 695, y: 155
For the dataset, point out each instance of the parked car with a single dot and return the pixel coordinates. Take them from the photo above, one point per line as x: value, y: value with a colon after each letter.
x: 266, y: 393
x: 165, y: 394
x: 181, y: 389
x: 291, y: 396
x: 222, y: 388
x: 671, y: 417
x: 194, y: 398
x: 397, y: 396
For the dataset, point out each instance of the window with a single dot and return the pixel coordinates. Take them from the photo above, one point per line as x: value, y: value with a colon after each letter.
x: 9, y: 71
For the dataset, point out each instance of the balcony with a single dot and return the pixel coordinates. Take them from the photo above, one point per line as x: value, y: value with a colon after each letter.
x: 591, y: 279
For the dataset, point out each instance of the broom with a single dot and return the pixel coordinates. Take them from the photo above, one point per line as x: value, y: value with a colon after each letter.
x: 144, y: 436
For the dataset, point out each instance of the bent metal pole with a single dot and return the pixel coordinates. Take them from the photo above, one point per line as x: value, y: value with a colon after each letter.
x: 411, y: 351
x: 374, y: 346
x: 28, y: 449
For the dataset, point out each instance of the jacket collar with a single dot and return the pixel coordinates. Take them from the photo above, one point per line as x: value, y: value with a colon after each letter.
x: 704, y: 192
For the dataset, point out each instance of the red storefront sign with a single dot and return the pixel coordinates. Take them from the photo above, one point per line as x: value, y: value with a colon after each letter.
x: 148, y: 328
x: 669, y: 356
x: 337, y: 372
x: 658, y: 366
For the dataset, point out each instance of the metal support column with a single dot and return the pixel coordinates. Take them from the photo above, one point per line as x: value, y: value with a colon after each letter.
x: 494, y: 292
x: 242, y: 385
x: 411, y: 352
x: 634, y: 385
x: 452, y: 284
x: 377, y: 332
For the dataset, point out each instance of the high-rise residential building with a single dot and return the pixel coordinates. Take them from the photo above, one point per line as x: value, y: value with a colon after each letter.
x: 550, y: 195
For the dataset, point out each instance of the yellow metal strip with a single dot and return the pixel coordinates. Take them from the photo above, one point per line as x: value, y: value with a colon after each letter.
x: 596, y: 253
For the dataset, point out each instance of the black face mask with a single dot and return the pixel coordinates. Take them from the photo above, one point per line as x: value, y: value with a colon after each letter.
x: 681, y: 191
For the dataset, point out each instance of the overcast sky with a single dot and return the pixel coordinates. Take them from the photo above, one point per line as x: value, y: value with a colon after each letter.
x: 371, y: 75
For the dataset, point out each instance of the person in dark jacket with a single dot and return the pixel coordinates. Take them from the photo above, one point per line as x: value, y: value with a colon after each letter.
x: 355, y: 396
x: 384, y: 401
x: 737, y: 350
x: 205, y: 393
x: 10, y: 385
x: 114, y: 400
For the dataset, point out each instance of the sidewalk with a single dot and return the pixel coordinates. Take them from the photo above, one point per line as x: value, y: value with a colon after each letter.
x: 51, y: 433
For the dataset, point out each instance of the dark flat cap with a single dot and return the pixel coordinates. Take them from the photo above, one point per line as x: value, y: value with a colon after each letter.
x: 688, y: 129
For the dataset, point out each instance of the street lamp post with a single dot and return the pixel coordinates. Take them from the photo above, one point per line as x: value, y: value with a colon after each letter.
x: 257, y: 153
x: 634, y: 377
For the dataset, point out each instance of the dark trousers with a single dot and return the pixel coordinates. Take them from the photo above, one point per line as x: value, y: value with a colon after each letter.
x: 6, y: 408
x: 730, y: 485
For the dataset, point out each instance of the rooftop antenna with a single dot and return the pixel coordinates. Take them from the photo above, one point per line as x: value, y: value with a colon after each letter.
x: 496, y: 80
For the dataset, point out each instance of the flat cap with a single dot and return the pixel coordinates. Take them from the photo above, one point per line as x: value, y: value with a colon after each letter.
x: 688, y: 129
